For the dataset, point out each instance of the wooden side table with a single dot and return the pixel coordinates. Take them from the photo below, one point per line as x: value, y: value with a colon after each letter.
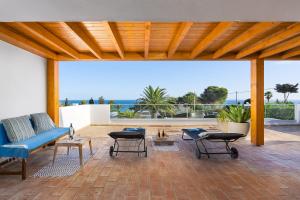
x: 76, y: 142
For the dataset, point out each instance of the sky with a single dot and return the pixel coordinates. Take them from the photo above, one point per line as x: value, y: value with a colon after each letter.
x: 126, y: 80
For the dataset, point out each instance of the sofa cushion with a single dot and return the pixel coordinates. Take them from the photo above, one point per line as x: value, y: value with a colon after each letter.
x: 42, y: 122
x: 22, y: 149
x: 3, y: 136
x: 18, y: 128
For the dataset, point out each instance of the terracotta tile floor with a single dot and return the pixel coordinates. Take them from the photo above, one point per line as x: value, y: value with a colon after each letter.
x: 271, y: 171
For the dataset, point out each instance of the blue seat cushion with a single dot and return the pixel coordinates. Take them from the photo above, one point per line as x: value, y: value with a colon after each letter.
x: 22, y: 149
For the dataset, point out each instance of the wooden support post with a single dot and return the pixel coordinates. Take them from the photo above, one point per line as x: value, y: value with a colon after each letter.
x: 257, y: 102
x: 52, y: 90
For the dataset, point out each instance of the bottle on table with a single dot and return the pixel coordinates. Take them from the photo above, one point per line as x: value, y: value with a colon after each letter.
x: 72, y: 132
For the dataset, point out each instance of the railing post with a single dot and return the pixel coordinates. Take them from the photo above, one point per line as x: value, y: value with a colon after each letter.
x: 297, y: 112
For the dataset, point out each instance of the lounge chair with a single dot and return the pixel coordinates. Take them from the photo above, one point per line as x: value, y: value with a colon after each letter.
x: 198, y: 135
x: 128, y: 134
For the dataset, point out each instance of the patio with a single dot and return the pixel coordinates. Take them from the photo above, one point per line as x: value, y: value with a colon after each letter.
x: 36, y: 36
x: 267, y: 172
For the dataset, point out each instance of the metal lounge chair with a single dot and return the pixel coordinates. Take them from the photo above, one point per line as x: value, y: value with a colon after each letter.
x: 198, y: 135
x: 129, y: 134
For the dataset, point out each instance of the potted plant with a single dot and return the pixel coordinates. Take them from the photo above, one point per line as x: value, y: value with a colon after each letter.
x: 238, y: 117
x: 222, y: 121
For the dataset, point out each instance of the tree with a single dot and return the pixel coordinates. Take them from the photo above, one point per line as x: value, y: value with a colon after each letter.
x: 286, y: 89
x: 82, y: 102
x: 188, y: 98
x: 91, y: 101
x: 268, y: 95
x: 67, y: 102
x: 101, y: 100
x: 214, y: 95
x: 155, y: 100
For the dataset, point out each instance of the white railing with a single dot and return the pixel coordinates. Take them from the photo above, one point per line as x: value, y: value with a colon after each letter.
x: 192, y: 111
x: 101, y: 114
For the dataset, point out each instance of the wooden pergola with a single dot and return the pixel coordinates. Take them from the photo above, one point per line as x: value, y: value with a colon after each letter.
x: 137, y: 41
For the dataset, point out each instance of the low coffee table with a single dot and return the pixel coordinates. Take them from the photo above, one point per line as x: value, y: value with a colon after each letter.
x: 76, y: 142
x: 161, y: 141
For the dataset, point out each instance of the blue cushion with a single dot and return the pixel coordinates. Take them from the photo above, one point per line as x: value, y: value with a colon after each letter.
x: 41, y: 122
x: 22, y: 149
x: 18, y: 128
x: 3, y: 136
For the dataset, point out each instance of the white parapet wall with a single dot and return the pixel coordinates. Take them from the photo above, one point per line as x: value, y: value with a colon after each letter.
x: 84, y: 115
x: 100, y: 114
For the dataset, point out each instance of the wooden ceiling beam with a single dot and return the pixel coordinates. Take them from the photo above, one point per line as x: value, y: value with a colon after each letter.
x: 271, y: 40
x: 79, y: 29
x: 221, y: 28
x: 291, y: 53
x: 289, y: 44
x: 245, y: 37
x: 115, y: 36
x: 161, y: 56
x: 147, y: 38
x: 132, y: 56
x: 182, y: 31
x: 39, y: 31
x: 7, y: 34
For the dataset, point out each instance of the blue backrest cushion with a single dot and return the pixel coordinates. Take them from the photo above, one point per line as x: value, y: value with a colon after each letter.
x: 18, y: 128
x: 3, y: 135
x: 42, y: 122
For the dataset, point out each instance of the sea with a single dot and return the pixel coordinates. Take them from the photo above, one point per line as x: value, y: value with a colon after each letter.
x: 130, y: 102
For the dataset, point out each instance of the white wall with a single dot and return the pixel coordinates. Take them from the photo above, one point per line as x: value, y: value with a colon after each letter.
x: 79, y: 116
x: 84, y: 115
x: 22, y: 82
x: 100, y: 114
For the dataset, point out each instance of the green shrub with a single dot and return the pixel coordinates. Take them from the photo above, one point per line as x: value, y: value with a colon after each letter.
x: 222, y: 116
x: 82, y: 102
x: 238, y: 114
x: 126, y: 114
x: 280, y: 111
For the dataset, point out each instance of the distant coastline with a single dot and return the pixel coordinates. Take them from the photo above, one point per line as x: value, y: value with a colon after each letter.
x: 228, y: 101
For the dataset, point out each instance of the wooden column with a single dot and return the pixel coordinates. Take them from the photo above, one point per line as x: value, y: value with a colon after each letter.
x: 257, y: 102
x: 52, y: 90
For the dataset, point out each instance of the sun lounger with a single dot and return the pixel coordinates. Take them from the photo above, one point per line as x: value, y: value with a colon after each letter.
x: 128, y: 134
x: 198, y: 135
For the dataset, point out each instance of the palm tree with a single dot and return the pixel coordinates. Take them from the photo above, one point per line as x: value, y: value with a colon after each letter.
x: 268, y: 95
x: 155, y: 100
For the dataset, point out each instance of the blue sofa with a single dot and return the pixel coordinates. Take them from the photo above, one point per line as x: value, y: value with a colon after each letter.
x: 23, y: 149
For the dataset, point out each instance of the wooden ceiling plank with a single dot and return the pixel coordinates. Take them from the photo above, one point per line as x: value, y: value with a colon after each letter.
x: 85, y: 36
x: 275, y: 38
x: 287, y: 45
x: 182, y: 31
x: 147, y: 39
x: 291, y: 53
x: 39, y: 31
x: 115, y: 36
x: 245, y: 37
x: 8, y: 35
x: 221, y: 28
